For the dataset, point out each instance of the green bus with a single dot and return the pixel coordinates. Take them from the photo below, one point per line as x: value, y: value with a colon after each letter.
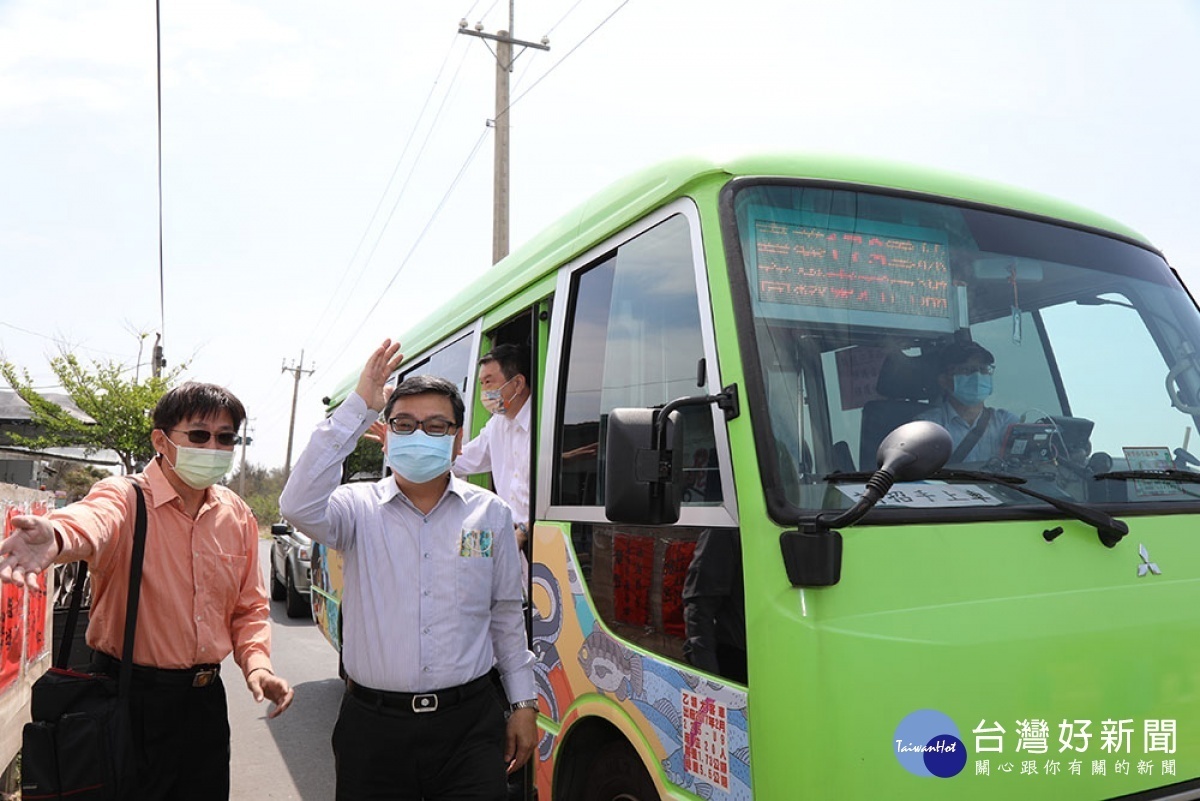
x: 746, y: 360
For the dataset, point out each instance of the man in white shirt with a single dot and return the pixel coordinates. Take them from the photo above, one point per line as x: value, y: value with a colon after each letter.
x: 502, y: 447
x: 965, y: 377
x: 431, y: 600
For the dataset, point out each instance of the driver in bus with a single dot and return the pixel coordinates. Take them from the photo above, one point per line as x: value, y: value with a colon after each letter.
x: 965, y: 378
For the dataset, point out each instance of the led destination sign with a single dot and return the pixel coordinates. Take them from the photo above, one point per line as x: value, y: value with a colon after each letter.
x: 895, y: 277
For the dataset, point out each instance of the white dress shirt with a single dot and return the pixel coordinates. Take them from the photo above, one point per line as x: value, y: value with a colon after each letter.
x: 502, y: 448
x: 429, y: 601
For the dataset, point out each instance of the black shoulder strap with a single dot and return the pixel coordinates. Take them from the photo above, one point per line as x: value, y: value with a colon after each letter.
x: 131, y: 604
x: 972, y: 438
x: 135, y: 591
x: 64, y: 647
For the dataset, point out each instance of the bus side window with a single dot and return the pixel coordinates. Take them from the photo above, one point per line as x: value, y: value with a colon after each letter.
x: 675, y: 591
x: 634, y: 340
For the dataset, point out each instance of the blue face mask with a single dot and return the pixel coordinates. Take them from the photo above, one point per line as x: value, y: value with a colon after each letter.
x: 418, y: 457
x: 972, y: 389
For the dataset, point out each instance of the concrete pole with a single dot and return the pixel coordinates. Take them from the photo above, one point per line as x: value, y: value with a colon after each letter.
x: 500, y: 173
x: 500, y: 178
x: 296, y: 372
x: 242, y: 469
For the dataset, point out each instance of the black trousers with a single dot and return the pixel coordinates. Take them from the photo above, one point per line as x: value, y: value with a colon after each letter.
x: 181, y: 735
x: 385, y: 752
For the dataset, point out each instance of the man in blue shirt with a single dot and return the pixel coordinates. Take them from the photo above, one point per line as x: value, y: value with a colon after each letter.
x: 965, y: 377
x: 431, y: 600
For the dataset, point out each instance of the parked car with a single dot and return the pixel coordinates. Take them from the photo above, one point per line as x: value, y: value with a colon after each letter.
x: 291, y: 577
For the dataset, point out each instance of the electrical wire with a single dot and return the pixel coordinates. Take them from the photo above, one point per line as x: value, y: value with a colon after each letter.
x: 564, y: 17
x: 568, y: 54
x: 379, y: 205
x: 391, y: 212
x: 412, y: 249
x: 162, y: 305
x: 470, y: 158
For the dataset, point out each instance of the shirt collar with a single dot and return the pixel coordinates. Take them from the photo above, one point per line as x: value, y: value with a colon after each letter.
x: 162, y: 493
x: 521, y: 421
x: 389, y: 489
x: 952, y: 413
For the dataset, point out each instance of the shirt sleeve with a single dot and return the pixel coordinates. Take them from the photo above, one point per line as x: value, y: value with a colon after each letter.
x: 306, y: 499
x: 86, y: 527
x: 476, y: 455
x: 513, y: 659
x: 249, y: 625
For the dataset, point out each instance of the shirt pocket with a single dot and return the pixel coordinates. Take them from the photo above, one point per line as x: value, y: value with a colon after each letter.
x: 473, y: 572
x: 225, y: 584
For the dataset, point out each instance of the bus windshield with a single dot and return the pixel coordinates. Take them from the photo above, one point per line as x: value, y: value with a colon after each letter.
x: 1060, y: 355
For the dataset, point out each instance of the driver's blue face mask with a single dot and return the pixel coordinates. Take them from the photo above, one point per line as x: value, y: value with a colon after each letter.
x: 972, y: 388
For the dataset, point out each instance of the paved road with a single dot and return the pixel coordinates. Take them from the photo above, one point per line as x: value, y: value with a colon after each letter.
x: 288, y: 757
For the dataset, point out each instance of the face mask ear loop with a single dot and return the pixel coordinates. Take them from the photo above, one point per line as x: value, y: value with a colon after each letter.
x: 162, y: 454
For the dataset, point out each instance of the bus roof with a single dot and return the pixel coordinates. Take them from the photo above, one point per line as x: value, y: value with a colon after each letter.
x: 641, y: 192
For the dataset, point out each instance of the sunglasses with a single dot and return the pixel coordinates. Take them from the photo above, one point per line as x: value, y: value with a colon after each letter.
x: 198, y: 436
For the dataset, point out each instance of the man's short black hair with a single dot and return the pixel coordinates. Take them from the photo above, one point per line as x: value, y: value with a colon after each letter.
x: 194, y: 399
x: 957, y: 353
x: 425, y: 384
x: 513, y: 360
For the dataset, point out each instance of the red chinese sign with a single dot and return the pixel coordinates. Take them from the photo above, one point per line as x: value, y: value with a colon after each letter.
x: 705, y: 740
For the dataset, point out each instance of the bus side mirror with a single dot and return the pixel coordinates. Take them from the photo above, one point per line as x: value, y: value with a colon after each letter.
x: 812, y: 555
x: 642, y: 482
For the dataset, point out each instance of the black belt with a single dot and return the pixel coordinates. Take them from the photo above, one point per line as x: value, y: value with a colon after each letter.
x: 195, y: 676
x: 419, y: 703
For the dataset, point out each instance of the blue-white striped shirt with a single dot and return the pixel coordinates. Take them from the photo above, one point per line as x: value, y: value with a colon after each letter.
x: 989, y: 444
x: 428, y: 601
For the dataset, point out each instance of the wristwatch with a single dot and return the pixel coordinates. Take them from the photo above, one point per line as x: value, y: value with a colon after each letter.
x: 530, y: 704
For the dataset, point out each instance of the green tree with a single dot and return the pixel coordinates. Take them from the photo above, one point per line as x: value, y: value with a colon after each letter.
x: 261, y: 493
x: 120, y: 407
x: 76, y: 480
x: 367, y: 458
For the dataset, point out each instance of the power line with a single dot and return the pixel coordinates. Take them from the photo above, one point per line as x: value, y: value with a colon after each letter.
x: 428, y: 224
x: 391, y: 212
x: 383, y: 196
x: 470, y: 158
x: 564, y: 17
x: 567, y: 55
x: 158, y: 359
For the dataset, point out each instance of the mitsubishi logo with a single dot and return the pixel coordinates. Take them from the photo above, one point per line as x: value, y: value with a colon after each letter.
x: 1146, y: 566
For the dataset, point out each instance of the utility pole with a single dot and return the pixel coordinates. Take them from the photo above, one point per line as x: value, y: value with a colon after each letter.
x: 504, y: 64
x: 242, y: 469
x: 296, y: 371
x: 157, y: 360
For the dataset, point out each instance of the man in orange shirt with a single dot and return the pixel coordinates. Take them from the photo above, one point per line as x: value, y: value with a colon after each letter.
x: 202, y: 593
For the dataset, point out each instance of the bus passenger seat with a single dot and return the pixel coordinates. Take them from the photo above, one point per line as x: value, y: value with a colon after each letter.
x: 907, y: 384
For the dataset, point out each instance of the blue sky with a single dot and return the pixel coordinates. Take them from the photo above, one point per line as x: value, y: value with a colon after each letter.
x: 284, y: 120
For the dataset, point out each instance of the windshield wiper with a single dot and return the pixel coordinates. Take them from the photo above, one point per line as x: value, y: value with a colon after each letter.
x: 838, y: 477
x: 1167, y: 474
x: 1110, y: 529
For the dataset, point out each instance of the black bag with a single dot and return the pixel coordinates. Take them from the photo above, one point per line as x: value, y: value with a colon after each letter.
x: 79, y: 743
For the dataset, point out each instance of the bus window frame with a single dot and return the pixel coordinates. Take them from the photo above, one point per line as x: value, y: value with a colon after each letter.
x: 726, y: 514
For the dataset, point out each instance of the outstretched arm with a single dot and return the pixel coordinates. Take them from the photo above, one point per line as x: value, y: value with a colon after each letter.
x: 29, y: 550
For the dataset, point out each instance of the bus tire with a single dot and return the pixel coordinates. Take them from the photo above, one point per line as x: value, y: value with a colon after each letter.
x: 616, y: 774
